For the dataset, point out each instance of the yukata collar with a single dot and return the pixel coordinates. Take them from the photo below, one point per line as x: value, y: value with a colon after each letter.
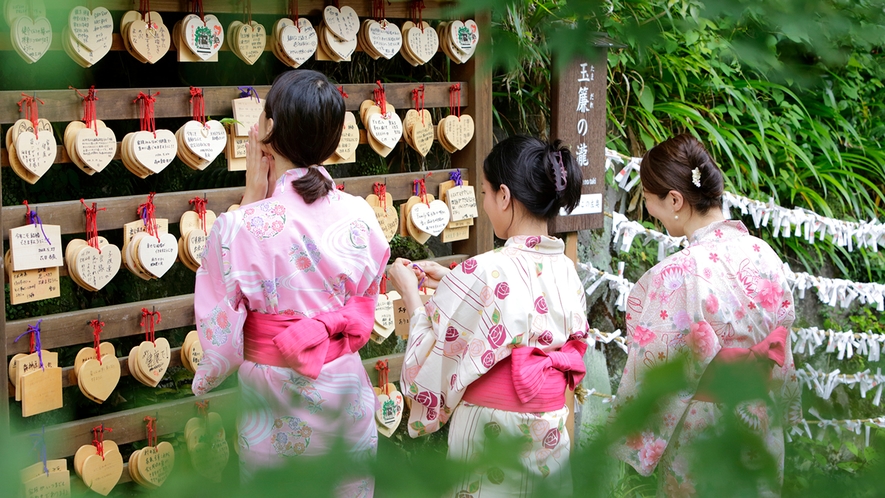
x: 719, y: 231
x: 536, y: 244
x: 293, y: 174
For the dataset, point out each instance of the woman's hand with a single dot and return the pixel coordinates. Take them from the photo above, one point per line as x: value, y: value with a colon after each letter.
x: 404, y: 277
x: 259, y: 170
x: 433, y: 273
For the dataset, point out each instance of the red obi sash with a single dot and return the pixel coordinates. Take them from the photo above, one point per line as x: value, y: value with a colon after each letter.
x: 530, y: 380
x: 772, y: 348
x: 306, y: 344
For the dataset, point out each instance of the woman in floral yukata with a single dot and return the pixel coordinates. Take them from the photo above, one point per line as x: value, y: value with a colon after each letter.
x: 725, y: 297
x: 287, y: 289
x: 502, y: 338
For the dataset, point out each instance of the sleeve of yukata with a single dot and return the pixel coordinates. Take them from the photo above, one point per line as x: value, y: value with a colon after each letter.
x: 665, y: 321
x: 219, y: 310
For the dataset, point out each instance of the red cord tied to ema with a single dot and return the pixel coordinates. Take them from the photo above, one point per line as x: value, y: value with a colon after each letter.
x: 199, y: 204
x: 149, y: 320
x: 28, y: 105
x: 146, y: 111
x: 98, y: 439
x: 92, y: 224
x: 96, y: 337
x: 151, y: 428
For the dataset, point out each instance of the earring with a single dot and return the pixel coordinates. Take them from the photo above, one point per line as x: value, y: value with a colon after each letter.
x: 677, y: 216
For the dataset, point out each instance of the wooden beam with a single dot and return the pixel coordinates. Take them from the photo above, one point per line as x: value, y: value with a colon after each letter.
x: 69, y: 214
x: 174, y: 102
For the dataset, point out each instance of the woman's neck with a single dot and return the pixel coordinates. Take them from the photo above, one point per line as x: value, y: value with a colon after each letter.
x: 695, y: 223
x: 527, y: 225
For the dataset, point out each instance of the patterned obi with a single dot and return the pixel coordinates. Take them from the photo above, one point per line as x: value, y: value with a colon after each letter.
x: 306, y: 344
x: 530, y: 380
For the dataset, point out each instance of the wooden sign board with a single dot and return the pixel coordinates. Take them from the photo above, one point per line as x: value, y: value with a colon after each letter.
x: 578, y: 119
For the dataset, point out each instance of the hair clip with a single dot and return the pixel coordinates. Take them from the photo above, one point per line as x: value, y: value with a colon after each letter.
x: 559, y: 174
x: 696, y: 177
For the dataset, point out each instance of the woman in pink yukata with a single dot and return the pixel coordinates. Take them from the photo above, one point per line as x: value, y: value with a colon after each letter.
x: 502, y: 338
x: 725, y: 297
x: 286, y: 292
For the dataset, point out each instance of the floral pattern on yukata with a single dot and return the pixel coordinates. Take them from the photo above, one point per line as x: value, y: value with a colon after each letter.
x: 359, y: 232
x: 303, y: 386
x: 726, y: 289
x: 266, y: 220
x: 291, y: 436
x: 305, y: 256
x: 216, y: 327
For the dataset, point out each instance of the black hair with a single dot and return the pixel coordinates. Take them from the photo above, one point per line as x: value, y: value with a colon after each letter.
x: 670, y: 166
x: 308, y: 118
x: 533, y: 170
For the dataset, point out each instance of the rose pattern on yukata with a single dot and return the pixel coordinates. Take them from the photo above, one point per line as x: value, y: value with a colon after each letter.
x: 525, y: 294
x: 726, y: 289
x: 283, y: 256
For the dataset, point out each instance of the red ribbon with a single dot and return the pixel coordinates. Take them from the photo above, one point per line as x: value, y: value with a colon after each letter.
x: 198, y: 9
x: 151, y: 430
x: 418, y: 93
x: 382, y: 288
x: 380, y: 97
x: 199, y: 107
x: 92, y: 224
x: 455, y: 100
x: 146, y: 212
x: 200, y: 208
x: 149, y: 333
x: 96, y: 337
x: 202, y: 408
x: 380, y: 190
x: 421, y: 189
x: 30, y: 109
x: 89, y: 114
x: 146, y: 109
x: 342, y: 92
x: 98, y: 438
x: 383, y: 369
x: 416, y: 7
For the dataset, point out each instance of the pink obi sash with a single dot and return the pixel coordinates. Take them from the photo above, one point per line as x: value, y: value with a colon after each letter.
x: 306, y: 344
x: 530, y: 380
x: 772, y: 348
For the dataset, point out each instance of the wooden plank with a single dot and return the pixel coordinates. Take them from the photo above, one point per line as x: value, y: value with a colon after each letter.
x: 63, y: 440
x: 62, y: 157
x: 69, y: 214
x: 174, y: 102
x: 435, y: 9
x: 4, y: 375
x: 571, y: 246
x: 477, y: 101
x: 66, y: 329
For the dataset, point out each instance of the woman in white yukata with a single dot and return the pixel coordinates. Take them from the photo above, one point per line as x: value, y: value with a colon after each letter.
x: 287, y: 289
x: 724, y: 297
x: 503, y: 337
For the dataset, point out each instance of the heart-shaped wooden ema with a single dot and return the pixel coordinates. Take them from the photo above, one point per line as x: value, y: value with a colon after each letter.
x: 206, y: 141
x: 96, y: 150
x: 299, y: 42
x: 190, y: 220
x: 31, y: 37
x: 250, y: 41
x: 204, y: 37
x: 210, y: 456
x: 100, y: 379
x: 419, y: 236
x: 384, y: 316
x: 459, y: 130
x: 86, y: 354
x: 423, y: 43
x: 385, y: 38
x: 154, y: 151
x: 149, y: 43
x: 391, y: 412
x: 35, y: 153
x: 341, y: 49
x: 13, y: 9
x: 87, y: 450
x: 153, y: 359
x: 155, y: 463
x: 422, y: 132
x: 158, y: 256
x: 196, y: 244
x: 385, y: 213
x: 350, y: 137
x: 387, y: 129
x: 431, y: 218
x: 97, y: 268
x: 102, y: 474
x: 92, y: 29
x: 343, y: 24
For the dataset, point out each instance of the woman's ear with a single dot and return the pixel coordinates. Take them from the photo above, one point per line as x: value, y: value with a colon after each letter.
x: 503, y: 197
x: 268, y: 126
x: 675, y: 200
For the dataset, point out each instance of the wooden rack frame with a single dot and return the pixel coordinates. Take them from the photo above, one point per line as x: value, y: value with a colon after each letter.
x: 64, y: 105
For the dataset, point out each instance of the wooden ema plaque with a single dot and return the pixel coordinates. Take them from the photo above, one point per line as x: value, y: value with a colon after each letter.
x: 579, y: 121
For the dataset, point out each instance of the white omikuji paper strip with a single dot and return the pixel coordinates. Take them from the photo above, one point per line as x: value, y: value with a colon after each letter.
x: 784, y: 222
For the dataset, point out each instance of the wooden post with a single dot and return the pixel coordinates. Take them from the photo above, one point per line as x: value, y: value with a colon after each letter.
x: 4, y: 372
x: 479, y: 98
